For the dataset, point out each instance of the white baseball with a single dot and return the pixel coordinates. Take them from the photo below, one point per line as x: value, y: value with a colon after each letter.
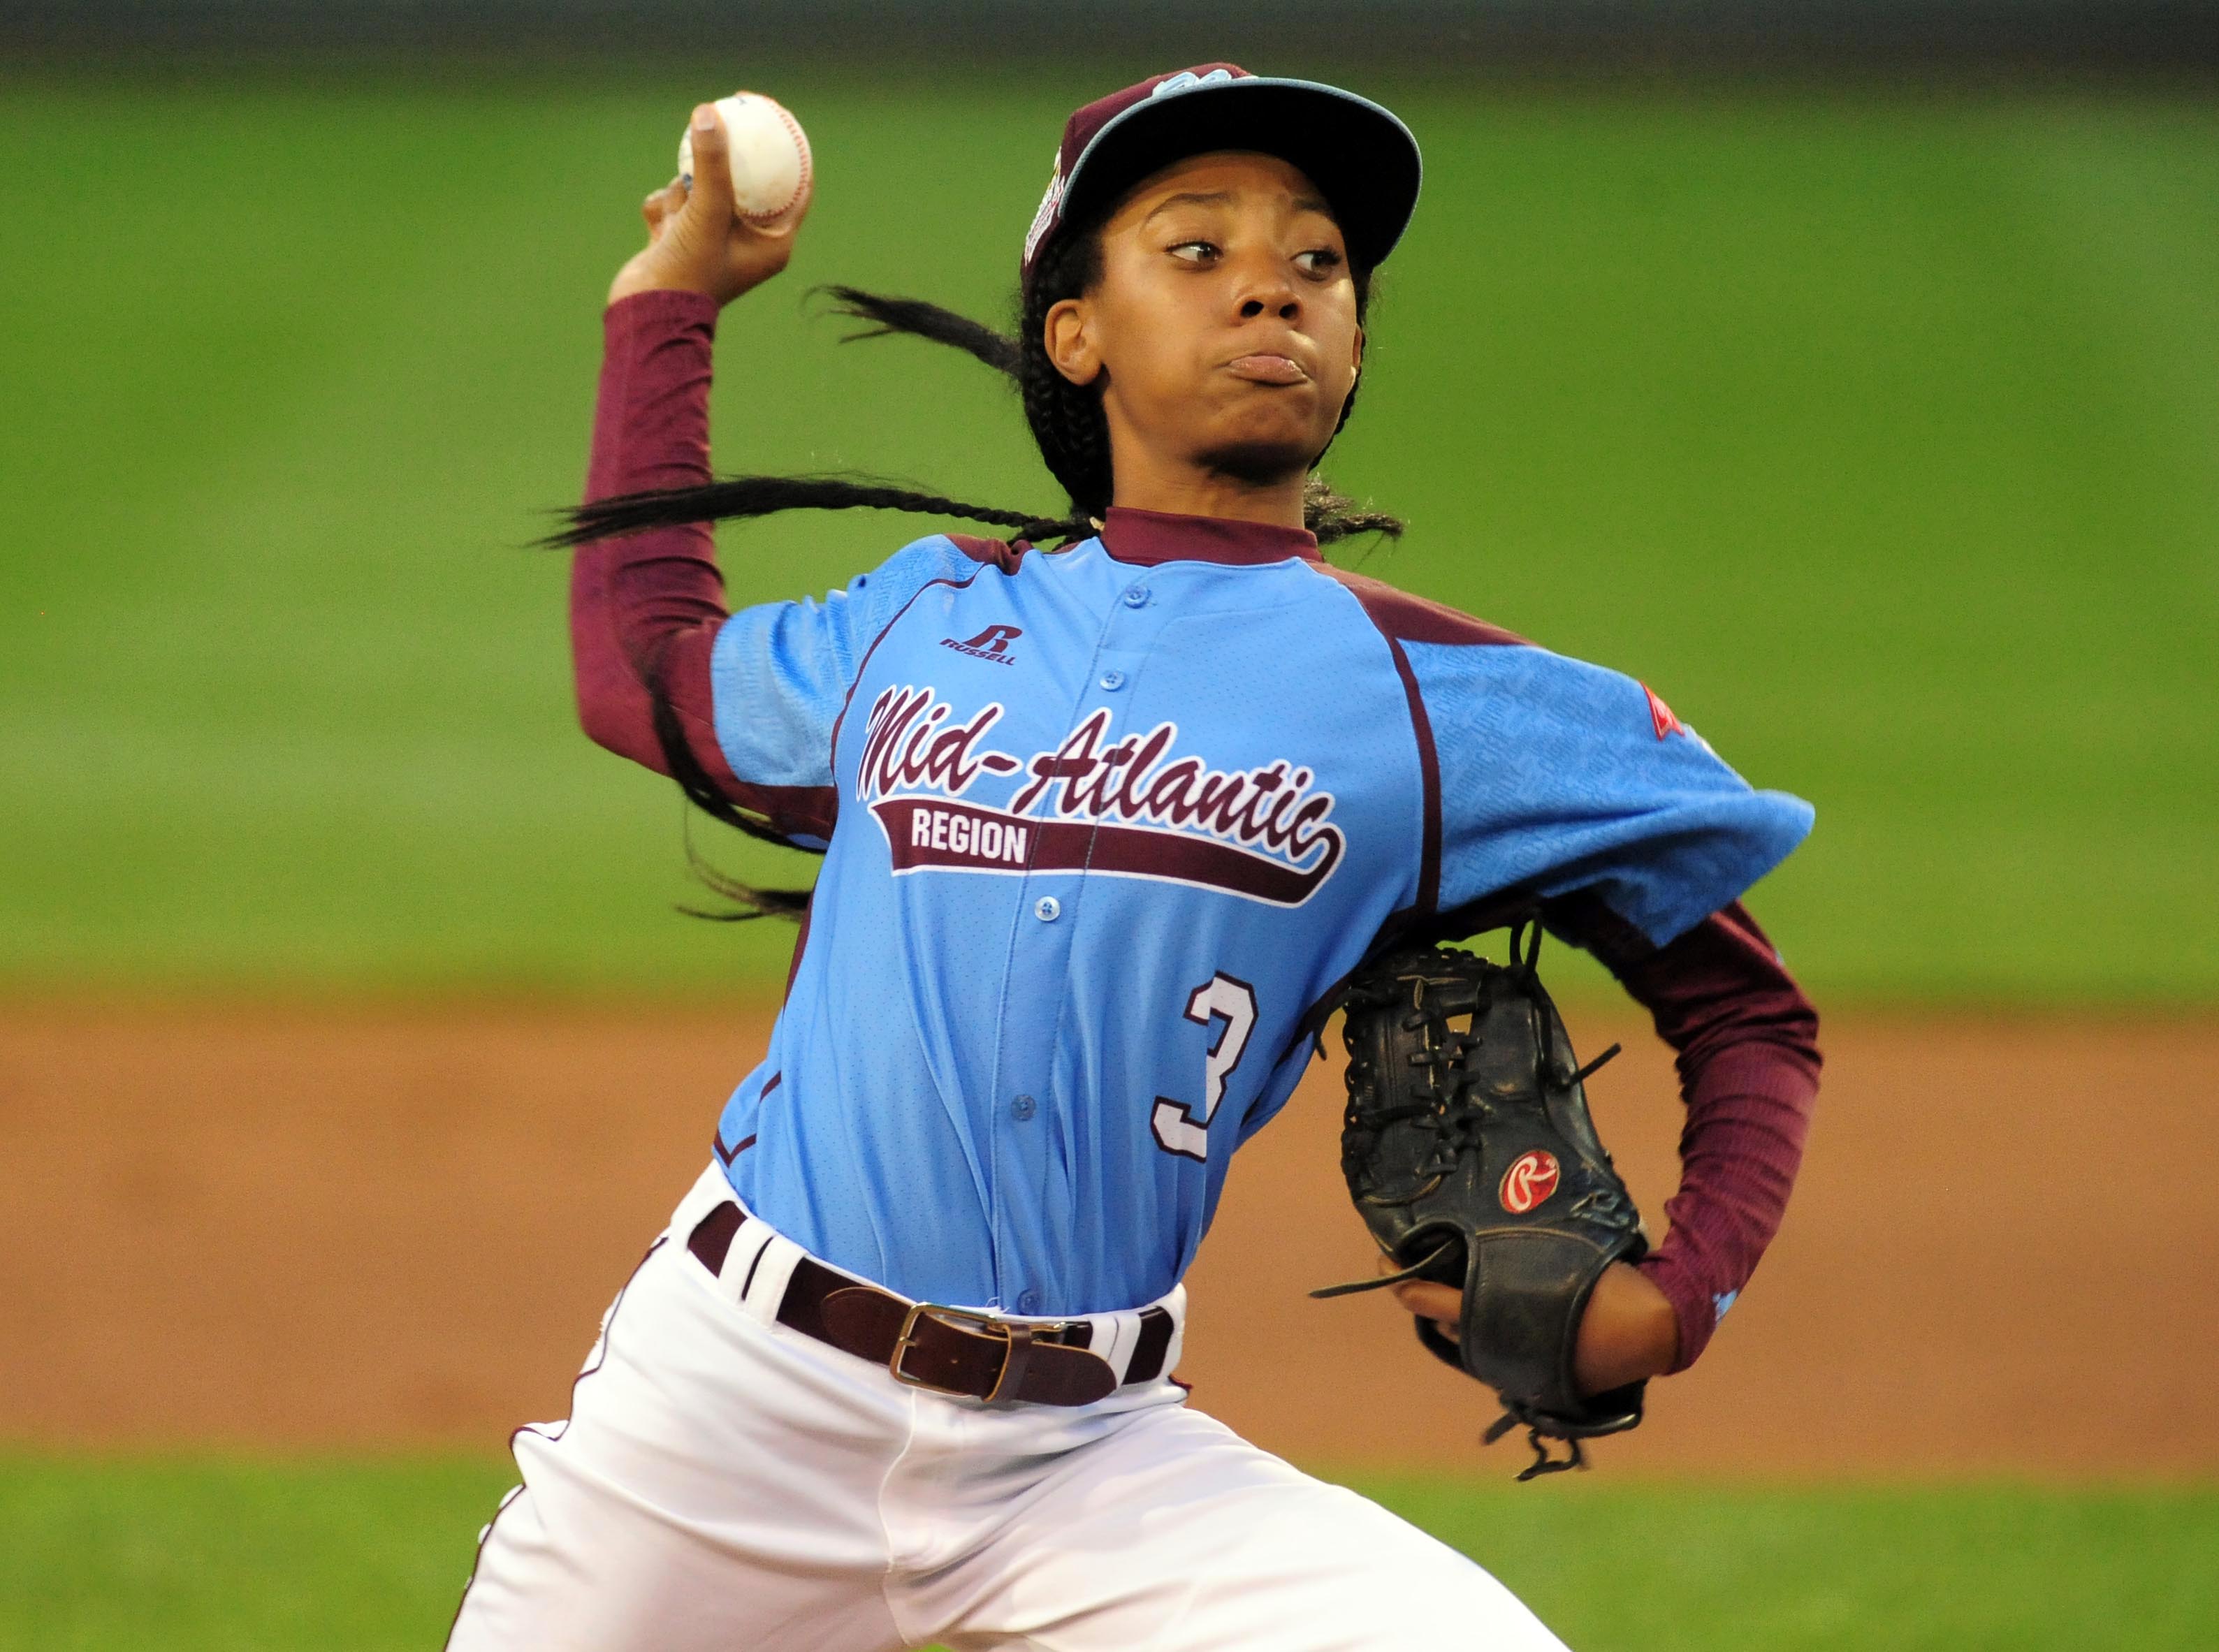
x: 769, y: 152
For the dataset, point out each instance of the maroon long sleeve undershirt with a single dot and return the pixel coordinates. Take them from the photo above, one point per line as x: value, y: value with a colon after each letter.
x: 1746, y: 1044
x: 653, y: 599
x: 1744, y: 1036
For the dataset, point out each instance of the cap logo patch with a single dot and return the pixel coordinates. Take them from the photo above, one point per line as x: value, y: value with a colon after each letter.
x: 1186, y: 77
x: 1532, y: 1177
x: 1044, y: 219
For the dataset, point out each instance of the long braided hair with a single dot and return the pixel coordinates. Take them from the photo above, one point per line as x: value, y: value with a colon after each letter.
x: 1068, y: 425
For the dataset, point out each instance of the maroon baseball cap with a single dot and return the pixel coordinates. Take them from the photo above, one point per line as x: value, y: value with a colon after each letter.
x: 1359, y: 154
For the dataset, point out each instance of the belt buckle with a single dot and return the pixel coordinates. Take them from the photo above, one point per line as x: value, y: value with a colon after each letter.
x: 1012, y: 1337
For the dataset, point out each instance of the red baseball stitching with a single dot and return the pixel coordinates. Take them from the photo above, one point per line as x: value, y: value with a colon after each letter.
x: 808, y: 166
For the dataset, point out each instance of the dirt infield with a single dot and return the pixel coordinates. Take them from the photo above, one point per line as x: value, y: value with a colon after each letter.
x: 377, y: 1227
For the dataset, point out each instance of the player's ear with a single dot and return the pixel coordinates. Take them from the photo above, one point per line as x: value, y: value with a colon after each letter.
x: 1068, y: 332
x: 1355, y: 359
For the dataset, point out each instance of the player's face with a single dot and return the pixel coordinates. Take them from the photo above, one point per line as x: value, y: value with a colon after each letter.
x: 1223, y: 328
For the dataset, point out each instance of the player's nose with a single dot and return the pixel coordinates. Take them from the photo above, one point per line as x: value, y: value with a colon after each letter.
x: 1263, y: 285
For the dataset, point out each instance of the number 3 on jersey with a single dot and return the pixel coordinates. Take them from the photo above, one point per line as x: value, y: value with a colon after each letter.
x: 1185, y: 1130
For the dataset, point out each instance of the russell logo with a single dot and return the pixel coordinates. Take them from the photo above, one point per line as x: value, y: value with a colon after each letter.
x: 1532, y: 1177
x: 988, y: 644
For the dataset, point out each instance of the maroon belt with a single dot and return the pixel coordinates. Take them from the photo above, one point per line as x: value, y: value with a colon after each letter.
x: 948, y: 1350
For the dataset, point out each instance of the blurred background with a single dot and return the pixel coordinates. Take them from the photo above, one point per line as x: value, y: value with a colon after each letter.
x: 1847, y: 372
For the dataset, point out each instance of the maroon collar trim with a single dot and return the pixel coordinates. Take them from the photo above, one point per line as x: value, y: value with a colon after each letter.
x: 1151, y: 536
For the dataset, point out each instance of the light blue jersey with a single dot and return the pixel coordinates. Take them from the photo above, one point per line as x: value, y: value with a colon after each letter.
x: 1102, y: 827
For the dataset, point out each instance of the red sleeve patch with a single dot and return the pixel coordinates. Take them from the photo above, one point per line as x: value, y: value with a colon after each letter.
x: 1660, y: 716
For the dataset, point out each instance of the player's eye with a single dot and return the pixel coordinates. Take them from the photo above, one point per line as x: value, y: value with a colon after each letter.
x: 1319, y: 261
x: 1195, y: 251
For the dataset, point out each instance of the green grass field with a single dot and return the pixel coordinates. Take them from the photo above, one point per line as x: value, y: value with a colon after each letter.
x: 236, y: 1558
x: 1877, y: 435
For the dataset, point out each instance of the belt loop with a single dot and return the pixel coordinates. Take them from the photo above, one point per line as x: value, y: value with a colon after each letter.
x: 759, y: 1287
x: 1118, y: 1332
x: 1175, y: 1305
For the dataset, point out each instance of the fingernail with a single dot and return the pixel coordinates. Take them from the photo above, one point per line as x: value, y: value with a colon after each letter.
x: 705, y: 117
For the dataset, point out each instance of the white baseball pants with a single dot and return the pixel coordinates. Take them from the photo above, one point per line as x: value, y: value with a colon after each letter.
x: 726, y: 1484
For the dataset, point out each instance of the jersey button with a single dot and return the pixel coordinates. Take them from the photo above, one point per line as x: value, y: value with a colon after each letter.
x: 1047, y: 909
x: 1028, y: 1302
x: 1023, y: 1108
x: 1113, y: 680
x: 1137, y: 597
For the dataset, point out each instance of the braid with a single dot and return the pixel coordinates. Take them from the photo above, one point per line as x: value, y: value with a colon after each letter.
x: 702, y: 792
x: 914, y: 316
x: 1333, y: 515
x: 1068, y: 425
x: 735, y: 497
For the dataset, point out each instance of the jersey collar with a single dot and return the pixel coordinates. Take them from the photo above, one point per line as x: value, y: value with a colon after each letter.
x: 1151, y: 536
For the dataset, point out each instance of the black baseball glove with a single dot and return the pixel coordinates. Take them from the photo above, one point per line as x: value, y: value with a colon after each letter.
x: 1470, y: 1153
